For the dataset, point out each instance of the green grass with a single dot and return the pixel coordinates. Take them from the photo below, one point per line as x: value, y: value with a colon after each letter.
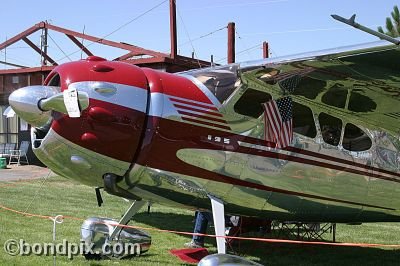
x: 60, y: 196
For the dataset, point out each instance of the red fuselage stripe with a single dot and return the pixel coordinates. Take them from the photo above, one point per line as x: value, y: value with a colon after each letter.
x: 197, y: 110
x: 322, y: 156
x: 202, y: 117
x: 205, y: 123
x: 194, y: 104
x: 291, y: 158
x: 339, y: 160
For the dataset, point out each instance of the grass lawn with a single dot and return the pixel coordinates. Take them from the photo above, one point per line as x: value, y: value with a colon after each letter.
x: 59, y: 196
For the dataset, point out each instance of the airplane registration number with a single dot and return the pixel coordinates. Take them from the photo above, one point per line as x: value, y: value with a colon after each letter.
x: 218, y: 139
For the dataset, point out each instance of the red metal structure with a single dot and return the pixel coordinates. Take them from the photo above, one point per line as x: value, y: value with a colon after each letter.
x: 150, y: 58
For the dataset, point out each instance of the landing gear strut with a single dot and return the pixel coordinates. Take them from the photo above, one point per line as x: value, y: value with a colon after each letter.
x: 103, y: 239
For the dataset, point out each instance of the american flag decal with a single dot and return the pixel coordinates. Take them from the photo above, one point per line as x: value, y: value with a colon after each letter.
x: 278, y: 122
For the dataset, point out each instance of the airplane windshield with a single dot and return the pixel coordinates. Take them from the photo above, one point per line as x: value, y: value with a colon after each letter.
x: 221, y: 81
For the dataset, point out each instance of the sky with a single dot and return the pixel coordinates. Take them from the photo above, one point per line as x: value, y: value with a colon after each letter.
x: 289, y: 26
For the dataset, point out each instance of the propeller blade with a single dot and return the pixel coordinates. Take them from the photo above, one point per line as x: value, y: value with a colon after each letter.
x: 63, y: 103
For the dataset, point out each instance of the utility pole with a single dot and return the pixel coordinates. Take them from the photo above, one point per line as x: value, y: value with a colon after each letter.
x: 44, y: 45
x: 172, y: 25
x: 265, y: 50
x: 231, y: 43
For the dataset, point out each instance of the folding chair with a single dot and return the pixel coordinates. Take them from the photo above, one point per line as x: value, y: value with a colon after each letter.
x: 19, y: 154
x: 2, y: 146
x: 8, y: 147
x: 2, y: 154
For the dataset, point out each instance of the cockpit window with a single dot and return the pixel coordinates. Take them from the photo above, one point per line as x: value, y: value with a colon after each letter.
x: 331, y: 128
x: 303, y: 121
x: 250, y: 104
x: 55, y: 81
x: 355, y: 139
x: 222, y: 81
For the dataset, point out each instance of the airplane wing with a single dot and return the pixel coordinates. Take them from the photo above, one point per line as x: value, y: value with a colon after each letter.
x: 359, y: 84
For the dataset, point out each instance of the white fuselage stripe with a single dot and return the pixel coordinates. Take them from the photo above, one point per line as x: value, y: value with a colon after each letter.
x: 124, y: 95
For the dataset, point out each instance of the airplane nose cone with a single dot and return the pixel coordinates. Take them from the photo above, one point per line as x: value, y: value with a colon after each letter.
x: 25, y: 103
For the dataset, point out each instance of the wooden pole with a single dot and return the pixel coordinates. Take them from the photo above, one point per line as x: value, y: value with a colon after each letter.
x: 172, y: 25
x: 231, y: 43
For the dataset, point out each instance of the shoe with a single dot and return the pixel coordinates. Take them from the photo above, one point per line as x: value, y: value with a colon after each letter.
x: 194, y: 244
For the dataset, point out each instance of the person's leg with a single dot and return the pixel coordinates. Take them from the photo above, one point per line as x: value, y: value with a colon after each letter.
x: 200, y: 226
x: 201, y: 223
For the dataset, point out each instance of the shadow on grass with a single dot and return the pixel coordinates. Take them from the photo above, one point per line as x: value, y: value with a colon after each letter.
x: 278, y: 253
x: 167, y: 221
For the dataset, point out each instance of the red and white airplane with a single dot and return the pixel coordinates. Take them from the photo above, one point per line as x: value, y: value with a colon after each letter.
x: 201, y: 139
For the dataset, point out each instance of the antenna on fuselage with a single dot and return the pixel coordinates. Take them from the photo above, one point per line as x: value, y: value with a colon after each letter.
x: 351, y: 22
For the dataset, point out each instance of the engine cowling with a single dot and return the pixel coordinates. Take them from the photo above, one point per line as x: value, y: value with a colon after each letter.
x: 113, y: 100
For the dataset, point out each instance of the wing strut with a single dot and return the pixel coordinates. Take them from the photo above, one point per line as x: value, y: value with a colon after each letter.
x: 219, y: 222
x: 351, y: 22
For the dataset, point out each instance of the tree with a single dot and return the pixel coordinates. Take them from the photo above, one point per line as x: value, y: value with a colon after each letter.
x: 392, y: 24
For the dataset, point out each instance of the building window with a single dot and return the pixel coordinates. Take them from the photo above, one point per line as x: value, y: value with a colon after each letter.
x: 15, y: 80
x: 303, y: 121
x: 8, y: 128
x: 251, y: 103
x: 354, y: 139
x: 331, y: 128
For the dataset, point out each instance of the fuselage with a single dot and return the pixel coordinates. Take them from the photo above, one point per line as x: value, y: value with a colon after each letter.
x: 177, y: 138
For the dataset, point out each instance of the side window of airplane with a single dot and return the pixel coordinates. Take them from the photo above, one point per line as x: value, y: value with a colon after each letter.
x: 250, y: 104
x: 354, y: 139
x: 303, y: 120
x: 331, y: 128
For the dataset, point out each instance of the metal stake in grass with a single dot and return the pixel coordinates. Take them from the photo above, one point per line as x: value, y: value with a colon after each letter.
x: 56, y: 220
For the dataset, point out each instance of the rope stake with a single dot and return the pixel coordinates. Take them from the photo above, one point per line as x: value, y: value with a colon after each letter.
x: 59, y: 219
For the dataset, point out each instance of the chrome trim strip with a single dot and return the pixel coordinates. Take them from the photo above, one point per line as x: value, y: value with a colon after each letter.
x: 161, y: 106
